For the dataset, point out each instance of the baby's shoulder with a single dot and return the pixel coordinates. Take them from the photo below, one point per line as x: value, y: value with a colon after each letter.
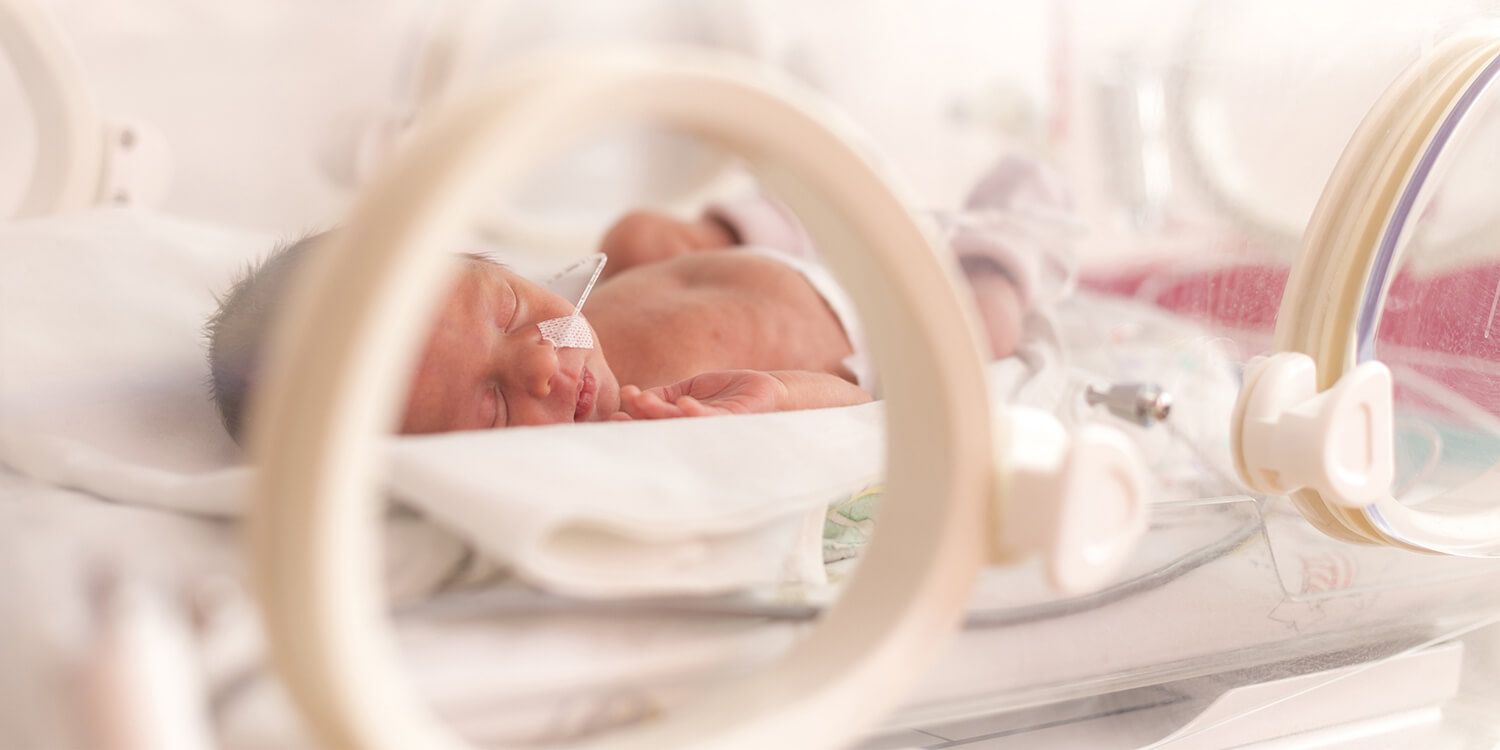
x: 732, y: 268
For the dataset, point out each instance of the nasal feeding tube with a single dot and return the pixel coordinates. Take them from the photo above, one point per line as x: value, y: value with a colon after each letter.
x: 572, y: 332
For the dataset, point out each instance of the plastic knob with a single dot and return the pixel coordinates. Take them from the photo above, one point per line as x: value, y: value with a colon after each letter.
x: 1337, y: 442
x: 1077, y: 501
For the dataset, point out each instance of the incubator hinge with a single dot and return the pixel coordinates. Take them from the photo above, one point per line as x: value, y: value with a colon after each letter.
x: 1076, y: 500
x: 137, y: 165
x: 1339, y: 442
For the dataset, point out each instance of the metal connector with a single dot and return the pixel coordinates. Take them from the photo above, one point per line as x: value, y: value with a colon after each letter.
x: 1144, y: 404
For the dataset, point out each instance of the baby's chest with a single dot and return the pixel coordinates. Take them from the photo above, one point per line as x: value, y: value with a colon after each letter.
x: 737, y: 311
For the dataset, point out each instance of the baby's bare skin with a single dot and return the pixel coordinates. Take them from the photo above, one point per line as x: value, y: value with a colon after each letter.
x: 669, y: 320
x: 679, y: 331
x: 682, y: 328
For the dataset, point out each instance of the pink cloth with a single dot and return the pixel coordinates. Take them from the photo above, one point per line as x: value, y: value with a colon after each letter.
x: 761, y: 221
x: 981, y: 243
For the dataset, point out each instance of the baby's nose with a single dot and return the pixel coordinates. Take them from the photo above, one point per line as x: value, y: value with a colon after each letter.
x: 539, y: 368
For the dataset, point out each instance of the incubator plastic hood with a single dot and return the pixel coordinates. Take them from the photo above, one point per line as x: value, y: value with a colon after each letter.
x: 1391, y: 306
x: 1296, y: 198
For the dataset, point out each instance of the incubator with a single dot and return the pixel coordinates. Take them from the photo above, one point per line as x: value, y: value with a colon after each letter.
x: 1231, y: 489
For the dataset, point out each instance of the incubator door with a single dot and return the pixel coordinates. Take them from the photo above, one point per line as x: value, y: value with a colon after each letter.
x: 1393, y: 302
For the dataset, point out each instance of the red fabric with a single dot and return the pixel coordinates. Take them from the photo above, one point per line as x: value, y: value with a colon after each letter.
x: 1427, y: 325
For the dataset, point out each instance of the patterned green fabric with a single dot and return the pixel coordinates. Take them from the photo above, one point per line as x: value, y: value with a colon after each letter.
x: 849, y: 524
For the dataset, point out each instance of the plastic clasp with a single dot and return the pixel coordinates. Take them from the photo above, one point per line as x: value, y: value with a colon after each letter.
x: 1339, y: 442
x: 1078, y: 501
x: 137, y: 165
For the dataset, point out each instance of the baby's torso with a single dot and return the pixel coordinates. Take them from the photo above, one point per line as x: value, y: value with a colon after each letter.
x: 717, y: 310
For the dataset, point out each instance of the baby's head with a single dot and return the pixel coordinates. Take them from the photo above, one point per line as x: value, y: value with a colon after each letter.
x: 485, y: 363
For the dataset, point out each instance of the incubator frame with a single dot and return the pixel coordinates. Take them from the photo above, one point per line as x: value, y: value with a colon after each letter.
x: 335, y: 374
x: 1330, y: 309
x: 69, y: 132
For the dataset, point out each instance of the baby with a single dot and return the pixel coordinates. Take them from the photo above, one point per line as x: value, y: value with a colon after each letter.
x: 728, y: 313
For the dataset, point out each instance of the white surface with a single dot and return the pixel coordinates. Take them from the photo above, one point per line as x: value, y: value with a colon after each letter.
x: 100, y: 344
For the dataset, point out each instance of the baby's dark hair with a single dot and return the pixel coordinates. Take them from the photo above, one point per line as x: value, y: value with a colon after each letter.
x: 237, y: 331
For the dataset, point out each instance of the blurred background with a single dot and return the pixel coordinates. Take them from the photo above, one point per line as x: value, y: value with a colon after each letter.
x: 1195, y: 138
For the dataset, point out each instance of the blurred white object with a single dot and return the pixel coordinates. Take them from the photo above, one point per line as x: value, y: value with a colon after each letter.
x: 143, y: 683
x: 1078, y: 501
x: 80, y: 159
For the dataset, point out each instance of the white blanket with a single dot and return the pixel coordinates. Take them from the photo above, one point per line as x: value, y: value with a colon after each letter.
x: 681, y: 506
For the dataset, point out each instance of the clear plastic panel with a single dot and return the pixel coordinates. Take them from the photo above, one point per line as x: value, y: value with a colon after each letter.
x: 1233, y: 610
x: 1200, y: 145
x: 1224, y: 597
x: 1430, y: 314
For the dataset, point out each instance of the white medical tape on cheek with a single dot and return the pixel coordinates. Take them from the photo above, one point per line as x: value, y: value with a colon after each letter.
x: 572, y: 332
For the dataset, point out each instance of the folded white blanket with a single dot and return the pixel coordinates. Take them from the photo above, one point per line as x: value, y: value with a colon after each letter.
x: 682, y: 506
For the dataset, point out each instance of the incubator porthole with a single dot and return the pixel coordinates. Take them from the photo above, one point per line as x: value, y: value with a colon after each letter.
x: 1429, y: 313
x: 595, y: 557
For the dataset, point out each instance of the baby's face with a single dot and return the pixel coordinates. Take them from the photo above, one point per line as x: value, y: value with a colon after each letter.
x: 486, y: 365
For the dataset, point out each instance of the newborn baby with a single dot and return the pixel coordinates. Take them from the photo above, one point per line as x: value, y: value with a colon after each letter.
x: 726, y: 314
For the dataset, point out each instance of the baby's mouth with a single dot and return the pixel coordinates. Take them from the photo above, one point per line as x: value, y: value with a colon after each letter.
x: 588, y: 391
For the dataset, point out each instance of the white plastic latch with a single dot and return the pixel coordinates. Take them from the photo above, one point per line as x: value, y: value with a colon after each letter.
x: 1078, y: 501
x: 137, y: 165
x: 1289, y: 436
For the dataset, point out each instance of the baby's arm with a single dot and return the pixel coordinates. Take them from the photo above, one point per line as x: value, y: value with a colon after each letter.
x: 643, y: 237
x: 739, y: 392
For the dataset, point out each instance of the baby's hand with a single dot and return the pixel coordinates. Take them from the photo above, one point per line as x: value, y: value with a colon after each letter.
x: 709, y: 394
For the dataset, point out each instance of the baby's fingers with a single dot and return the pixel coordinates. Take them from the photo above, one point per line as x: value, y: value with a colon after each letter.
x: 649, y: 405
x: 695, y: 408
x: 657, y: 407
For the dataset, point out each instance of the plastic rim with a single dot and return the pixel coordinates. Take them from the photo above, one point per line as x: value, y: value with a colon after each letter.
x: 337, y: 367
x: 1353, y: 242
x: 69, y: 160
x: 1438, y: 87
x: 1317, y: 273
